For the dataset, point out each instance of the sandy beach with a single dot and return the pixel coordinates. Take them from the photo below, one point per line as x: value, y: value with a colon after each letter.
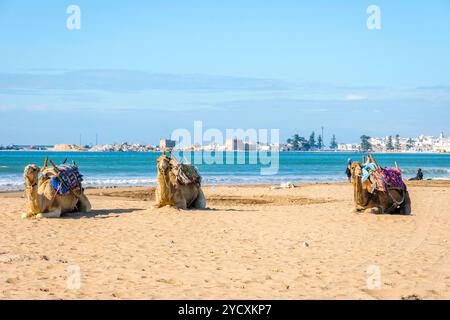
x: 252, y: 243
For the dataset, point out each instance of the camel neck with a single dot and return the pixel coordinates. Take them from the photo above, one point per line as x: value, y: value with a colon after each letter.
x: 360, y: 194
x: 166, y: 185
x: 31, y: 191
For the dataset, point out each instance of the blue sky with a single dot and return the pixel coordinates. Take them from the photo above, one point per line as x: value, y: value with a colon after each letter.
x: 137, y: 70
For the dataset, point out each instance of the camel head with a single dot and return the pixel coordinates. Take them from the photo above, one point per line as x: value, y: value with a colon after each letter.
x: 31, y: 173
x: 163, y: 164
x: 356, y: 170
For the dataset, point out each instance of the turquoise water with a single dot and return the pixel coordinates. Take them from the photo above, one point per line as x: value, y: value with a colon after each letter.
x: 139, y: 169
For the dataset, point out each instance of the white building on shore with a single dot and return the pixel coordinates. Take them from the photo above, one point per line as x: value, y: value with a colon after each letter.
x: 352, y: 147
x: 442, y: 144
x: 421, y: 143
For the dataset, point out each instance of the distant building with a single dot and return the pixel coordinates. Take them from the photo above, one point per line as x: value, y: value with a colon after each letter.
x: 442, y: 144
x: 167, y: 143
x: 250, y: 147
x: 234, y: 145
x: 348, y: 147
x: 421, y: 143
x: 424, y: 143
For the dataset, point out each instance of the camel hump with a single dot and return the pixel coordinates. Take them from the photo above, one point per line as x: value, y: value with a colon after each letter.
x: 186, y: 174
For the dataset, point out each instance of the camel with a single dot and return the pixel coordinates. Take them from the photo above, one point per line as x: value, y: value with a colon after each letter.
x: 42, y: 200
x: 170, y: 192
x: 377, y: 202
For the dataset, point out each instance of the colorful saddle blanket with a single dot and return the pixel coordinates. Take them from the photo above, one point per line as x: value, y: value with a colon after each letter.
x: 71, y: 177
x: 387, y: 178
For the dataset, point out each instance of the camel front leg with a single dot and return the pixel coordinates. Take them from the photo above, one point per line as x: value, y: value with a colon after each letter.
x: 158, y: 201
x: 53, y: 214
x: 28, y: 215
x: 181, y: 204
x: 374, y: 210
x: 358, y: 209
x: 84, y: 205
x: 405, y: 208
x: 200, y: 202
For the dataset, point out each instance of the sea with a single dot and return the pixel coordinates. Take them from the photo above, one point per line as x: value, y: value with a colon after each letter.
x: 109, y: 169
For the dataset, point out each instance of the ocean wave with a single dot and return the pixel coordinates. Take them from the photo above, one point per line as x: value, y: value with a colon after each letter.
x: 431, y: 171
x: 11, y: 184
x: 118, y: 182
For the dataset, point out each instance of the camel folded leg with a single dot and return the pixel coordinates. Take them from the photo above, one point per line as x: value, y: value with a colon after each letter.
x: 200, y: 202
x: 83, y: 204
x: 53, y: 214
x: 355, y: 210
x: 159, y: 203
x: 28, y: 215
x: 406, y: 205
x: 374, y: 210
x: 181, y: 204
x: 358, y: 210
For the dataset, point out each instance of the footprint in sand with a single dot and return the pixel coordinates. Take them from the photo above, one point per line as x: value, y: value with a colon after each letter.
x: 12, y: 280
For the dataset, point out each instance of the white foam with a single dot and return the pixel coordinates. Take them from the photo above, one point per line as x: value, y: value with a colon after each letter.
x: 432, y: 171
x: 11, y: 184
x: 118, y: 182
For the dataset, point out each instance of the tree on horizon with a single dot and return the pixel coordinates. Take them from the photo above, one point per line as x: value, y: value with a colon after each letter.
x: 333, y: 143
x: 312, y: 140
x: 389, y: 144
x: 397, y: 142
x: 410, y: 144
x: 299, y: 143
x: 365, y: 143
x: 319, y: 142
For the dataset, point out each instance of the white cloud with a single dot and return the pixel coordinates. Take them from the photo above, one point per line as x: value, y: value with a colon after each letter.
x: 5, y: 108
x: 354, y: 97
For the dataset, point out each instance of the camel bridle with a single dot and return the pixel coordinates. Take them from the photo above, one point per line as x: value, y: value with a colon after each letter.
x: 33, y: 170
x: 358, y: 175
x: 353, y: 171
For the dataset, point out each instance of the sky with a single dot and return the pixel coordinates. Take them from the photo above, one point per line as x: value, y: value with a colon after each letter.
x: 137, y: 70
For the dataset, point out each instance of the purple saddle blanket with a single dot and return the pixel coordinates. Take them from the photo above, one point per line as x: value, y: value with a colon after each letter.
x: 71, y: 177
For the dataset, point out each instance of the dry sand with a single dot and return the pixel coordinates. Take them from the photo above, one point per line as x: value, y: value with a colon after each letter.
x: 253, y: 243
